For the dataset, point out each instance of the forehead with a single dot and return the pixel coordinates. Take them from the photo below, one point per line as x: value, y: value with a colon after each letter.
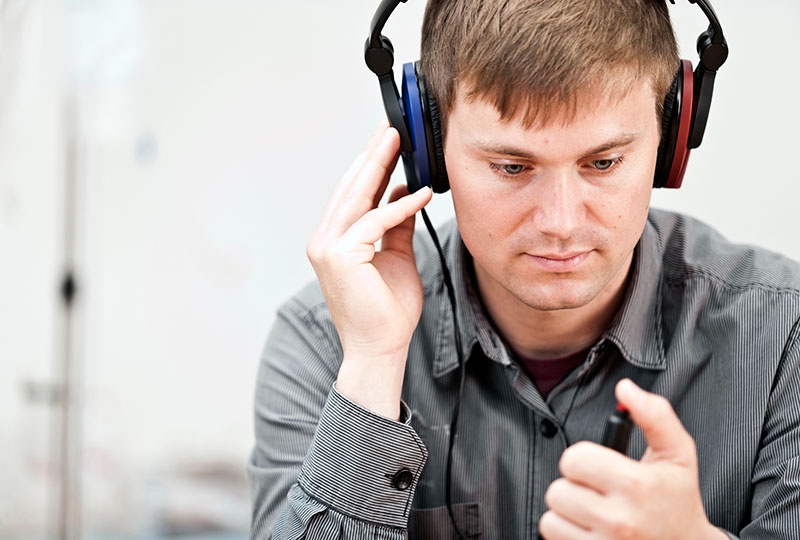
x: 599, y: 115
x: 535, y: 105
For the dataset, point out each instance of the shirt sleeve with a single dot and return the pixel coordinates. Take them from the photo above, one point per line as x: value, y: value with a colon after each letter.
x: 776, y: 474
x: 322, y: 466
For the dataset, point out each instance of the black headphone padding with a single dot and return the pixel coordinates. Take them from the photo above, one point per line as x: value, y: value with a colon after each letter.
x: 669, y: 127
x: 439, y: 179
x: 433, y: 135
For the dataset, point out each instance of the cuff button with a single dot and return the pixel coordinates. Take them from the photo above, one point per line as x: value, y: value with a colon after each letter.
x: 402, y: 479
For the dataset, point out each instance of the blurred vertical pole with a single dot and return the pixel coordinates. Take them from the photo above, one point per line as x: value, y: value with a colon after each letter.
x: 70, y: 296
x: 34, y: 170
x: 102, y: 44
x: 69, y: 440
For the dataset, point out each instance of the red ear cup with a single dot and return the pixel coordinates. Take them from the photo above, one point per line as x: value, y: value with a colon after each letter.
x: 681, y: 155
x: 676, y: 123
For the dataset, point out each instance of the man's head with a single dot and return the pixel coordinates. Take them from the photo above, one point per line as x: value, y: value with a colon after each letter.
x: 551, y: 116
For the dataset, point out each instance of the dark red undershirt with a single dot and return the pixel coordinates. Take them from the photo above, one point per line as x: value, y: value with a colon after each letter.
x: 548, y: 373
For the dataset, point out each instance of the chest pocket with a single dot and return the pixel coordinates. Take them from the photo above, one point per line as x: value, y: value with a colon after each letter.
x: 434, y: 523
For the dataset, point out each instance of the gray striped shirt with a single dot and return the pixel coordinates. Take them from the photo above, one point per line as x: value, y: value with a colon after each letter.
x: 716, y: 324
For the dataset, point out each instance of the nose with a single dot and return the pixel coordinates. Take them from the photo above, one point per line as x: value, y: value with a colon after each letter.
x: 559, y: 207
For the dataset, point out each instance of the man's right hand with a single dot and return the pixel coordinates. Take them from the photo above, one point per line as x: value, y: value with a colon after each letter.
x: 374, y: 297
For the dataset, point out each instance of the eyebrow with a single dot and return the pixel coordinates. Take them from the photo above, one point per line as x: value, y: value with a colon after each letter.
x: 506, y: 150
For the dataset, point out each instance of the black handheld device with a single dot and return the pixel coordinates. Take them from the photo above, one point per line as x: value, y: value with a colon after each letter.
x: 617, y: 432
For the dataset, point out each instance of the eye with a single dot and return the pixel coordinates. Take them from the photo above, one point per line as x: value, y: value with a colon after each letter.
x: 508, y: 169
x: 603, y: 164
x: 513, y: 169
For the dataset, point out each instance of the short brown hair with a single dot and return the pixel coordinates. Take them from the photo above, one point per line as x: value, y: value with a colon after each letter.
x: 541, y: 58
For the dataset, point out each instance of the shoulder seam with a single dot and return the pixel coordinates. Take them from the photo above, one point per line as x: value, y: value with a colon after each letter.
x: 309, y: 316
x: 698, y: 273
x: 303, y: 310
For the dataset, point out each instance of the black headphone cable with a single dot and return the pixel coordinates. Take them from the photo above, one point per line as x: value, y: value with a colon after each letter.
x: 462, y: 370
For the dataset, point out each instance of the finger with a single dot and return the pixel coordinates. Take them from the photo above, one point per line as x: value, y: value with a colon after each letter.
x: 554, y: 527
x: 381, y: 163
x: 354, y: 168
x: 385, y: 182
x: 579, y: 504
x: 358, y: 199
x: 352, y: 172
x: 373, y: 225
x: 374, y: 140
x: 597, y: 467
x: 666, y: 436
x: 400, y: 238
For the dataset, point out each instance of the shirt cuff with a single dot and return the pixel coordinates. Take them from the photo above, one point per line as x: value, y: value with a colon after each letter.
x: 362, y: 464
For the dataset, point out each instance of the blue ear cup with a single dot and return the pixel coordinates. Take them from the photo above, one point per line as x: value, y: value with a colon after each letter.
x: 424, y: 165
x: 417, y: 159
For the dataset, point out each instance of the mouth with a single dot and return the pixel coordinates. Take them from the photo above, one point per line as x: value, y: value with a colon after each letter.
x: 560, y: 262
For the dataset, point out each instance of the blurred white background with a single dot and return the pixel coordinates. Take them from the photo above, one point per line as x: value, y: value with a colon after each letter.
x: 207, y: 137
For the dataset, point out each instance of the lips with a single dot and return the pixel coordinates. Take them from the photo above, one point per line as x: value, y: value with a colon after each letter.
x: 561, y: 256
x: 560, y: 262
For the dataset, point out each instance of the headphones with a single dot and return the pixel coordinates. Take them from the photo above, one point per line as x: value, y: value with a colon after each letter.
x: 415, y: 115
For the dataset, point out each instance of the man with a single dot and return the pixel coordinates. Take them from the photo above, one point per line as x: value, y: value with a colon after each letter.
x: 566, y: 284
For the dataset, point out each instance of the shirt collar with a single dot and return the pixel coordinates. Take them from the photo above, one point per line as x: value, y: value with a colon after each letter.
x: 636, y: 330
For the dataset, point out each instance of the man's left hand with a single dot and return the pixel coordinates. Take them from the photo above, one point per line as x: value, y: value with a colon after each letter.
x: 606, y: 495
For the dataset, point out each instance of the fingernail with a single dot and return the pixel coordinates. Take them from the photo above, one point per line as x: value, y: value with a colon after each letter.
x: 424, y: 190
x: 626, y: 386
x: 387, y: 135
x: 634, y: 394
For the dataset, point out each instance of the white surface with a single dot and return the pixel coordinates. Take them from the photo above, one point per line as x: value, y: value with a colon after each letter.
x: 214, y: 133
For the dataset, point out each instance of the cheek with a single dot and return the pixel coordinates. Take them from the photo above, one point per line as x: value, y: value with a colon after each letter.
x: 482, y: 203
x: 483, y: 214
x: 621, y: 209
x: 629, y: 219
x: 475, y: 221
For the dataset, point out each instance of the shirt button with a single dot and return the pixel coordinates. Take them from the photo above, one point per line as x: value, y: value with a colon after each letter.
x: 402, y: 479
x: 548, y: 428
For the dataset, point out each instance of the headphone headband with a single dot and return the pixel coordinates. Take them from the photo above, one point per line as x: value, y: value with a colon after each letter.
x: 713, y: 51
x: 385, y: 9
x: 379, y: 56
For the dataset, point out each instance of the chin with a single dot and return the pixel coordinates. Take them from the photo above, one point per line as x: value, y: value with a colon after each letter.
x: 555, y: 297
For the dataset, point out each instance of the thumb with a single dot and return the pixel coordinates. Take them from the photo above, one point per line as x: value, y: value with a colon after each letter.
x: 666, y: 436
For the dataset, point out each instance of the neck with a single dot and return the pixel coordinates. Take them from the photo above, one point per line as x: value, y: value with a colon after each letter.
x: 547, y: 334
